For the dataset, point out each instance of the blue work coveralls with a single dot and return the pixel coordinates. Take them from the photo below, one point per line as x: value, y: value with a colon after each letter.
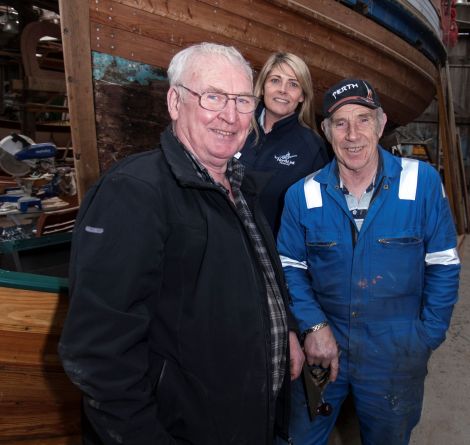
x: 387, y: 291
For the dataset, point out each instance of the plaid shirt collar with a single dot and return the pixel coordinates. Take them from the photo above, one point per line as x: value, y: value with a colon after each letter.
x: 235, y: 172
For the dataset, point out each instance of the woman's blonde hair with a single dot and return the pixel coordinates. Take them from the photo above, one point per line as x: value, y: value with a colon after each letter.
x: 301, y: 71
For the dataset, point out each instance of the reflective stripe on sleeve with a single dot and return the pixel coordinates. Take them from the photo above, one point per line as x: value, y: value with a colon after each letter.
x: 408, y: 179
x: 444, y: 257
x: 312, y: 192
x: 286, y: 262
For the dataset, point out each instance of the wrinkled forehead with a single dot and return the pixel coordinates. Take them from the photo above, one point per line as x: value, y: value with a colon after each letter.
x: 353, y: 112
x: 219, y: 72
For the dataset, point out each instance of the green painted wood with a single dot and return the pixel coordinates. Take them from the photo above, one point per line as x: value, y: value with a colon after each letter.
x: 29, y: 281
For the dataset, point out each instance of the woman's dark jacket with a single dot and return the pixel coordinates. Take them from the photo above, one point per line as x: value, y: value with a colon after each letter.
x: 168, y: 333
x: 290, y: 152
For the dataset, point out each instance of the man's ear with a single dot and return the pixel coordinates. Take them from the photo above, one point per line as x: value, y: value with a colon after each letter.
x: 381, y: 130
x: 173, y: 103
x: 325, y: 132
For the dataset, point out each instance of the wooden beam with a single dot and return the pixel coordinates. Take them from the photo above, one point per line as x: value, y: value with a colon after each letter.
x: 445, y: 143
x: 77, y: 61
x: 44, y: 108
x: 461, y: 239
x: 69, y: 440
x: 451, y: 153
x: 461, y: 182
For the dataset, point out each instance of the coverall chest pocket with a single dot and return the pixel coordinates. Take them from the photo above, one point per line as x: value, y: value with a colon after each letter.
x: 325, y: 258
x: 398, y: 264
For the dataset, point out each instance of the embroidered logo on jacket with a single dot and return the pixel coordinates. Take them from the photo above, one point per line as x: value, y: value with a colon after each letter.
x: 285, y: 159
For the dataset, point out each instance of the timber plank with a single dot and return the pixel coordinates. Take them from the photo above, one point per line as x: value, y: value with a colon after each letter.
x: 446, y: 145
x: 28, y: 348
x: 33, y: 386
x: 30, y: 311
x: 38, y: 403
x: 58, y: 440
x: 315, y: 24
x: 459, y: 172
x: 184, y: 22
x: 131, y: 46
x: 37, y: 399
x: 222, y: 16
x: 75, y: 28
x: 39, y: 84
x: 146, y: 30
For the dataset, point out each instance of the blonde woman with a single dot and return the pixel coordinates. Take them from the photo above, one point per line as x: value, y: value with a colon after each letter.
x: 287, y: 146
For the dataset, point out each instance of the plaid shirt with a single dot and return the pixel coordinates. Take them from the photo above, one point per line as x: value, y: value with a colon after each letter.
x: 277, y: 313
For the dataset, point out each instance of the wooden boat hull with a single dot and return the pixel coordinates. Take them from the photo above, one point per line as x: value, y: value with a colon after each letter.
x: 334, y: 40
x: 38, y: 404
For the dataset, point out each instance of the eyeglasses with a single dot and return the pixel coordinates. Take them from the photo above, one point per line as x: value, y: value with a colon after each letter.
x: 213, y: 101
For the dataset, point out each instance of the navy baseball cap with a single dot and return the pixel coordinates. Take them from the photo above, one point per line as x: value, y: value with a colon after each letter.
x: 349, y: 91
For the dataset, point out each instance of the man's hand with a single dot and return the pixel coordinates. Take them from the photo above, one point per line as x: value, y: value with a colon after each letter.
x: 321, y: 349
x: 297, y: 357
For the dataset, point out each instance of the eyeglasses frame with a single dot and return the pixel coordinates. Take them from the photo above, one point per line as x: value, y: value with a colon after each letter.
x: 227, y: 95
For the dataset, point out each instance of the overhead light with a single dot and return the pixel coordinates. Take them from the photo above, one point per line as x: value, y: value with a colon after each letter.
x: 48, y: 39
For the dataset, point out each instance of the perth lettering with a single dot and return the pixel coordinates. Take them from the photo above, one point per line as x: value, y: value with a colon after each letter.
x: 345, y: 88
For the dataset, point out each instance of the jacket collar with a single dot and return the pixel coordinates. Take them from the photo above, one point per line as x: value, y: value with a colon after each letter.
x: 185, y: 174
x: 179, y: 163
x: 284, y: 122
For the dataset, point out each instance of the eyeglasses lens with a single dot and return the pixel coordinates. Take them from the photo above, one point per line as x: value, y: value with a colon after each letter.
x: 218, y: 101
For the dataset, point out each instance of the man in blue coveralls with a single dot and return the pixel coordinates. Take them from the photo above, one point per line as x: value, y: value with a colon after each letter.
x: 368, y: 247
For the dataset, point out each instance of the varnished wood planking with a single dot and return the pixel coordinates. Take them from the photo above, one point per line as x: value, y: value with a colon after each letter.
x: 30, y: 311
x: 309, y: 20
x: 265, y: 28
x: 34, y: 385
x: 118, y: 42
x: 362, y: 29
x: 37, y: 400
x: 145, y: 37
x: 262, y: 25
x: 28, y: 348
x: 61, y: 440
x: 39, y: 415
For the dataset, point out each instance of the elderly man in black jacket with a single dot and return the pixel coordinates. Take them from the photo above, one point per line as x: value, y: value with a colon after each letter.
x: 178, y: 331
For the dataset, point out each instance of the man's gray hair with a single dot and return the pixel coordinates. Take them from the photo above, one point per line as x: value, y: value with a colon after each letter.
x: 182, y: 60
x: 379, y: 118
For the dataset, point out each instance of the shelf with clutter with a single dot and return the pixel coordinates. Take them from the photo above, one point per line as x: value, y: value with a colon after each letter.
x: 36, y: 181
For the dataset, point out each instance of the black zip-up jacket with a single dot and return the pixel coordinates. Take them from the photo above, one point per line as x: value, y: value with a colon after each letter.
x: 289, y: 152
x: 168, y: 332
